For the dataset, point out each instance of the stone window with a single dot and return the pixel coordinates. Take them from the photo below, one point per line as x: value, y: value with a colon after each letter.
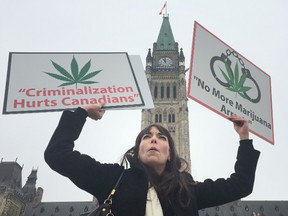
x: 174, y: 92
x: 168, y: 92
x: 162, y: 92
x: 158, y: 118
x: 155, y: 91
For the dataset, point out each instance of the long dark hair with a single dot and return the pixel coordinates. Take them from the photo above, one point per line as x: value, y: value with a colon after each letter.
x: 175, y: 172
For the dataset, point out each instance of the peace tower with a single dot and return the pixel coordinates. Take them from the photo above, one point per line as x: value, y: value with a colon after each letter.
x: 165, y: 71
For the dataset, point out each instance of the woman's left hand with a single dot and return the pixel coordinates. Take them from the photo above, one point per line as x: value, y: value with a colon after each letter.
x: 241, y: 126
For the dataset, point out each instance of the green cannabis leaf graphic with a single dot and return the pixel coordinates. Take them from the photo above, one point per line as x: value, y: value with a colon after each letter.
x: 236, y: 83
x: 75, y: 76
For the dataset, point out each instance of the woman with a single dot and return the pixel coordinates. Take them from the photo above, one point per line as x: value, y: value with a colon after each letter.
x: 156, y: 182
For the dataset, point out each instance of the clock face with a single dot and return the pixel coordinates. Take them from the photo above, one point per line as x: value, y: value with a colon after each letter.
x: 165, y: 62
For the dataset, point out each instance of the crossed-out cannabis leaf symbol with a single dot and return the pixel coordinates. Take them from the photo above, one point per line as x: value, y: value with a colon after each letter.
x: 236, y: 83
x: 75, y: 76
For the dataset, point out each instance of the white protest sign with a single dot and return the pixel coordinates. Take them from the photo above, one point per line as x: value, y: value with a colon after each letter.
x: 227, y: 83
x: 41, y: 82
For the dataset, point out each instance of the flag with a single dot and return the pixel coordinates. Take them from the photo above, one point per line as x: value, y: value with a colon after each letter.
x: 164, y: 6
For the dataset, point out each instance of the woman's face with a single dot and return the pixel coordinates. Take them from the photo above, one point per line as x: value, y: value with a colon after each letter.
x: 154, y: 150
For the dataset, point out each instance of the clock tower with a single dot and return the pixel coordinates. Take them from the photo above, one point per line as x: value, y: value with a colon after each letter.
x: 165, y: 71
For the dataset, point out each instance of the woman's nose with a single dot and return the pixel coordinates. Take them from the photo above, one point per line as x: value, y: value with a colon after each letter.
x: 153, y: 139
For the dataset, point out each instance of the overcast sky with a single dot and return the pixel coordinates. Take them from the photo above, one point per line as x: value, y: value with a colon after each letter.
x: 258, y: 30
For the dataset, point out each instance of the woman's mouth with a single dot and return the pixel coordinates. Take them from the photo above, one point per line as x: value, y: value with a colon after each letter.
x: 153, y: 149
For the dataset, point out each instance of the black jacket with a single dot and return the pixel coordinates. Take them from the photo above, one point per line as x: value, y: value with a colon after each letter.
x: 98, y: 179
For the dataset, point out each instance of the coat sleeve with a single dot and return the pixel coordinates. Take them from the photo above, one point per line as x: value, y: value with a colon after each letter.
x: 84, y: 171
x: 240, y: 184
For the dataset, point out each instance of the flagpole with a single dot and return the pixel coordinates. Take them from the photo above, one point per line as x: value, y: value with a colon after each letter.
x: 166, y: 9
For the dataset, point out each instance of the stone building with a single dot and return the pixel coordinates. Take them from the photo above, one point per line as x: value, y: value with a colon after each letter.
x: 16, y: 200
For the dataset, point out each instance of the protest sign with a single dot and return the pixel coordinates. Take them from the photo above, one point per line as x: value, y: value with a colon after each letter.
x: 227, y: 83
x: 41, y: 82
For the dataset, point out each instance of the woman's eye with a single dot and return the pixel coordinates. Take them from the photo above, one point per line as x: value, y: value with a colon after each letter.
x: 146, y: 136
x: 162, y: 137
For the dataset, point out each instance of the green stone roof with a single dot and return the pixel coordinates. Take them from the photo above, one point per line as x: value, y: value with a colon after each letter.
x: 165, y: 39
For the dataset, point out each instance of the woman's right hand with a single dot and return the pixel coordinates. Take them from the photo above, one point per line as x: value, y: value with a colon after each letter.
x: 95, y: 110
